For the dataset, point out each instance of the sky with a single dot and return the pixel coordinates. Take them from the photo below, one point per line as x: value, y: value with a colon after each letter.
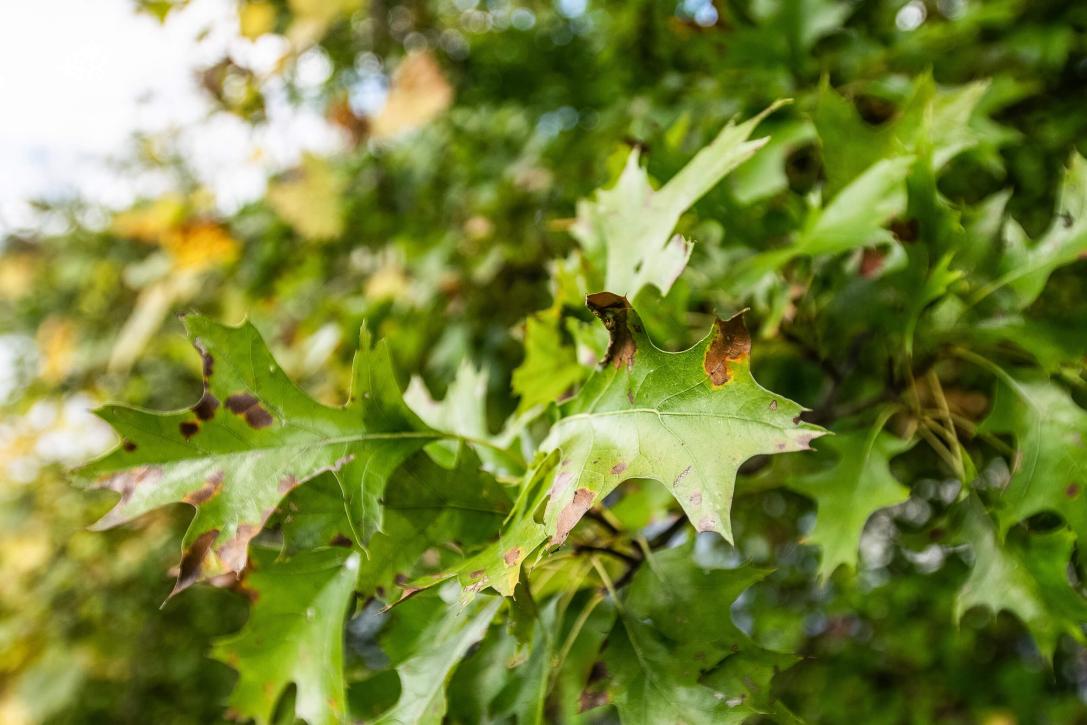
x: 79, y: 77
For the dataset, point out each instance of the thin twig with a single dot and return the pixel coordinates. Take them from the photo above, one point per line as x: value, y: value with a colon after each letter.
x: 590, y: 548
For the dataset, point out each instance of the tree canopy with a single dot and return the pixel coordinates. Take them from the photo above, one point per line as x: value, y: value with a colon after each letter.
x: 695, y: 362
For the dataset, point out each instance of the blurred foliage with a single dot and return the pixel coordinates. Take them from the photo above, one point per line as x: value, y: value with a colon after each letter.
x: 901, y: 241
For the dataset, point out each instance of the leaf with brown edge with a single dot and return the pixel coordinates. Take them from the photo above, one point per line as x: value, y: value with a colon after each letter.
x: 251, y: 438
x: 686, y: 419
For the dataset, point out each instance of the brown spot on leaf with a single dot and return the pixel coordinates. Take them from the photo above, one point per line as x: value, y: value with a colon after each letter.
x: 696, y: 498
x: 206, y: 492
x: 905, y: 230
x: 560, y: 484
x: 615, y: 312
x: 572, y: 513
x: 248, y: 406
x: 188, y: 428
x: 206, y: 406
x: 589, y: 700
x: 682, y: 475
x: 1072, y: 490
x: 128, y: 445
x: 707, y: 524
x: 512, y: 556
x: 241, y: 402
x: 192, y: 561
x: 871, y: 263
x: 618, y: 468
x: 594, y: 695
x: 476, y: 574
x: 125, y: 483
x: 773, y: 405
x: 234, y: 552
x: 340, y: 540
x: 287, y: 483
x: 207, y: 359
x: 731, y: 343
x: 258, y: 417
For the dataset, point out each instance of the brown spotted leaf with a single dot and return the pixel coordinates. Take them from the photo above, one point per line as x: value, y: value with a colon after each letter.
x: 251, y: 438
x: 687, y: 419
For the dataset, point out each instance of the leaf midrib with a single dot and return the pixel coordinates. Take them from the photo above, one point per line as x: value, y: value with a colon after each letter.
x: 356, y: 438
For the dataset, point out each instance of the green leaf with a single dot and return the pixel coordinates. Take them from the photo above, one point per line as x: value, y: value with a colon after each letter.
x: 1028, y: 579
x: 938, y: 281
x: 439, y: 636
x: 686, y: 419
x: 314, y: 516
x: 463, y: 411
x: 252, y: 438
x: 849, y: 491
x: 627, y: 229
x: 463, y: 415
x: 937, y: 119
x: 294, y: 635
x: 674, y: 627
x: 550, y: 369
x: 1026, y: 268
x: 764, y: 175
x: 1049, y: 471
x: 427, y: 507
x: 854, y: 218
x: 498, y: 566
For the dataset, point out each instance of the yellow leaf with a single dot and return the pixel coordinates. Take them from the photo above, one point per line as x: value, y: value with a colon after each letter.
x: 149, y: 222
x: 200, y: 244
x: 255, y: 19
x: 308, y: 199
x: 387, y: 283
x: 419, y: 93
x: 312, y: 18
x: 13, y: 711
x: 56, y: 340
x: 16, y: 275
x: 25, y: 552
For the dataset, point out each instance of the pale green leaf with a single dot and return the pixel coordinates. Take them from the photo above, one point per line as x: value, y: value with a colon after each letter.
x: 627, y: 229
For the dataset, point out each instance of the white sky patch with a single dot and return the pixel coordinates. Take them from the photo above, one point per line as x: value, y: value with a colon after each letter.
x: 79, y: 78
